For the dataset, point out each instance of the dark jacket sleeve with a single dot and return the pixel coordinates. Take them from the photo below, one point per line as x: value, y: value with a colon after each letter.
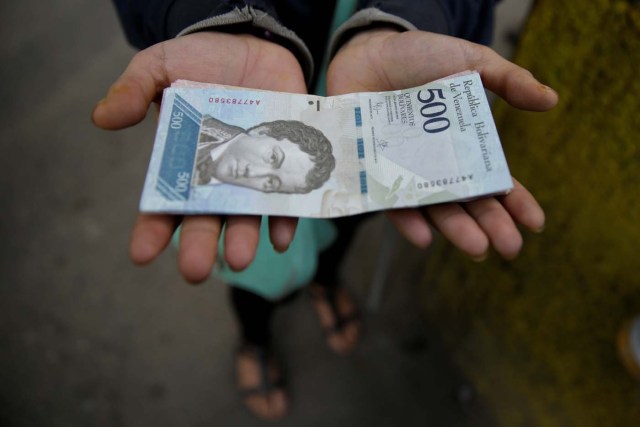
x: 147, y: 22
x: 467, y: 19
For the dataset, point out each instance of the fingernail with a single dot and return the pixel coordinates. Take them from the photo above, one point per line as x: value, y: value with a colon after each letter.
x: 98, y: 105
x: 480, y: 258
x: 280, y: 251
x: 538, y: 230
x: 547, y: 88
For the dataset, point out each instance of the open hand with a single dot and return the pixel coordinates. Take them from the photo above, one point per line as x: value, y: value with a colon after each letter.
x: 384, y: 59
x: 239, y: 60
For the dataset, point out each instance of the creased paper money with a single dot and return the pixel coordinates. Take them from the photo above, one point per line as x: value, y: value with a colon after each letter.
x: 229, y: 150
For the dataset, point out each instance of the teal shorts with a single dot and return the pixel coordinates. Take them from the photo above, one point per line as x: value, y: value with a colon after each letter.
x: 274, y: 275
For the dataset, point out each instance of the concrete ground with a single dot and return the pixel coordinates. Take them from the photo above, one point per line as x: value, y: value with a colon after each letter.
x: 87, y: 339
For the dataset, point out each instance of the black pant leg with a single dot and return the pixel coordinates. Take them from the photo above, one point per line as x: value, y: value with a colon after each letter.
x: 254, y: 314
x: 330, y: 260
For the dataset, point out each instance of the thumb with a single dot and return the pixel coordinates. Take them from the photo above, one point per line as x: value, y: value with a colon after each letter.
x: 513, y: 83
x: 128, y: 99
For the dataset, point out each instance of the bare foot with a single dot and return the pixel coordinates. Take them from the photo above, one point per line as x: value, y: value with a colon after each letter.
x: 338, y: 316
x: 259, y: 380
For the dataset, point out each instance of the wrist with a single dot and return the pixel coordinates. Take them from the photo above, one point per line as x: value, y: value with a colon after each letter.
x: 259, y: 24
x: 366, y: 35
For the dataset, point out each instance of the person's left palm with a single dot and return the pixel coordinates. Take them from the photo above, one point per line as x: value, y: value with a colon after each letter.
x: 383, y: 59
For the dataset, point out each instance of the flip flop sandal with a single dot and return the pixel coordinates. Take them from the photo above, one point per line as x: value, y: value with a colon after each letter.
x: 330, y: 296
x: 263, y: 357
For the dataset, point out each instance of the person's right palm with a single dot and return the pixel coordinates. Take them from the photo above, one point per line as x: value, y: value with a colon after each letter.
x: 238, y: 60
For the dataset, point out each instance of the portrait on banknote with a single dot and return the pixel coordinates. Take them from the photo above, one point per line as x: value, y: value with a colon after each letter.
x: 282, y: 156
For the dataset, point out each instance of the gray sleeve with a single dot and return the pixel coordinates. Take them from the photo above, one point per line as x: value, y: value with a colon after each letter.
x: 261, y: 24
x: 365, y: 18
x: 467, y: 19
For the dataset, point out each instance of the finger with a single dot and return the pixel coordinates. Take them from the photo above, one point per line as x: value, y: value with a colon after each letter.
x: 458, y: 227
x: 497, y: 224
x: 129, y: 97
x: 524, y: 208
x: 412, y: 225
x: 281, y: 232
x: 241, y: 241
x: 198, y: 247
x: 149, y: 236
x: 511, y: 82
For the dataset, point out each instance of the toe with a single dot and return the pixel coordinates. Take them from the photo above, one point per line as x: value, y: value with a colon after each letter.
x: 259, y: 406
x: 278, y: 404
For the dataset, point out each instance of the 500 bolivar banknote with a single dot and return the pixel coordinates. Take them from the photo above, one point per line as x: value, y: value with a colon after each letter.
x: 228, y: 150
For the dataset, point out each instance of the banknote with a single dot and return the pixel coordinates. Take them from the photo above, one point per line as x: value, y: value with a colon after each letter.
x: 229, y: 150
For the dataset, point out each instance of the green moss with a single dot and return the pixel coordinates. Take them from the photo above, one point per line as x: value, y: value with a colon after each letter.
x: 538, y: 335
